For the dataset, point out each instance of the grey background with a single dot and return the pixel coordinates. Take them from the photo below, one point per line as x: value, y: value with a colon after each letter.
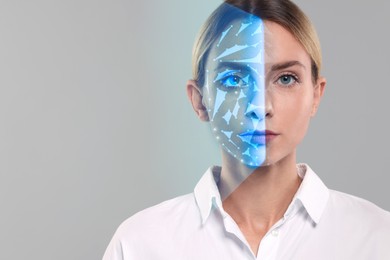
x: 95, y: 123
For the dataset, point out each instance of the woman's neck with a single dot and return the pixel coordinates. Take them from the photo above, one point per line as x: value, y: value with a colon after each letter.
x: 258, y: 198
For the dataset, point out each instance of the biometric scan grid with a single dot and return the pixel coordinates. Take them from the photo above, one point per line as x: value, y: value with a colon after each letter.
x: 234, y: 90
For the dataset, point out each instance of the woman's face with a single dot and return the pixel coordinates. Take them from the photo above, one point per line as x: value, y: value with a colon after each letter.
x: 258, y: 92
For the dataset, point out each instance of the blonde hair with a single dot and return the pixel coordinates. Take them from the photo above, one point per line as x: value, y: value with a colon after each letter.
x: 282, y: 12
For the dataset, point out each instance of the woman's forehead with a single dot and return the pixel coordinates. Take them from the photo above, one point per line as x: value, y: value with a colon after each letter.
x: 255, y: 41
x: 242, y: 39
x: 280, y: 45
x: 241, y: 31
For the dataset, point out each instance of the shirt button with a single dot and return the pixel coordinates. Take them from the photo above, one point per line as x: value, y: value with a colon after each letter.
x: 275, y: 232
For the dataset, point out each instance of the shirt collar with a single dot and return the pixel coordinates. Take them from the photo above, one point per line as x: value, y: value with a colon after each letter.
x: 312, y: 193
x: 206, y: 192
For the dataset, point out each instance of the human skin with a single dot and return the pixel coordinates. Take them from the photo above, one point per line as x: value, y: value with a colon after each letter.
x: 287, y: 112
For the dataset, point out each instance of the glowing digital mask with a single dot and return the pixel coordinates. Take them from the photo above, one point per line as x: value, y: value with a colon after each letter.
x: 234, y: 90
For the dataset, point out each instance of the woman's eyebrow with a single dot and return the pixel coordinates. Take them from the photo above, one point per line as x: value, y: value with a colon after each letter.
x: 287, y: 64
x: 233, y: 65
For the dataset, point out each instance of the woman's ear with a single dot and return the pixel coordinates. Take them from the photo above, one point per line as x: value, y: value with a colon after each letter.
x: 319, y: 89
x: 195, y: 96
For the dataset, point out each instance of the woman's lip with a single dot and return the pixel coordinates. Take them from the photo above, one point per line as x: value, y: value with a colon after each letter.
x: 270, y: 137
x: 260, y: 137
x: 259, y: 133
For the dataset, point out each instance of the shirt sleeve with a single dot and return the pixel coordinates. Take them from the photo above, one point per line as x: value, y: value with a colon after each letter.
x: 114, y: 250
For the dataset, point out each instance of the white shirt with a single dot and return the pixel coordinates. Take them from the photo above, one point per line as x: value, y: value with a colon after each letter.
x: 318, y: 224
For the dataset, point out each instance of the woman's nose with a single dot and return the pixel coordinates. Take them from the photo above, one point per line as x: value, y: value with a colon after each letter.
x: 259, y: 107
x: 255, y: 110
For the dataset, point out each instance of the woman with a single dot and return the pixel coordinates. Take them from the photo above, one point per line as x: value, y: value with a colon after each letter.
x: 256, y: 80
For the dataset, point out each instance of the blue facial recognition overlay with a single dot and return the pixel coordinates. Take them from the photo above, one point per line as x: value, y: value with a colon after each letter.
x: 234, y: 88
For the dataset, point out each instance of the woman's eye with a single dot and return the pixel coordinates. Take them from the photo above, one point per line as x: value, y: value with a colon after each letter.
x: 287, y: 80
x: 233, y: 81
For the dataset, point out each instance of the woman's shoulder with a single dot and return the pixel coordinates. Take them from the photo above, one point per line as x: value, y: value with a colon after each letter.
x: 363, y: 223
x: 160, y: 216
x: 155, y: 225
x: 345, y: 201
x: 358, y: 210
